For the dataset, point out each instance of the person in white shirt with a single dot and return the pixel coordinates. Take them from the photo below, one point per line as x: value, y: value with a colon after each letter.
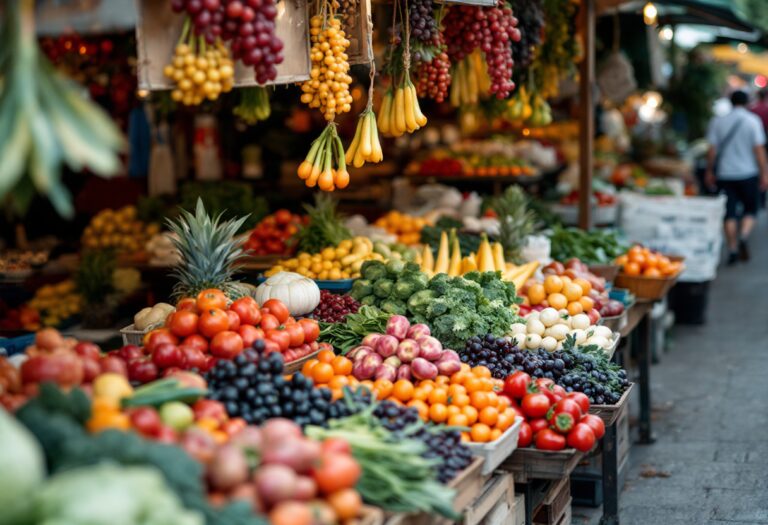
x: 737, y: 165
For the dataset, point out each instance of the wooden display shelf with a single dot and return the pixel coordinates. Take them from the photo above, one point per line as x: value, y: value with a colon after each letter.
x: 610, y: 413
x: 530, y: 463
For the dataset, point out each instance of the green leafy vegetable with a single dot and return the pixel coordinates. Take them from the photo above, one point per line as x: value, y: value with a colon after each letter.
x: 347, y: 335
x: 591, y: 247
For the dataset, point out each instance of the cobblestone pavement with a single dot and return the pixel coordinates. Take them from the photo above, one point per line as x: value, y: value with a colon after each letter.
x: 709, y: 464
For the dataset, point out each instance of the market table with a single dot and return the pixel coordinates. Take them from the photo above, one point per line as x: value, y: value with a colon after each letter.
x: 638, y: 326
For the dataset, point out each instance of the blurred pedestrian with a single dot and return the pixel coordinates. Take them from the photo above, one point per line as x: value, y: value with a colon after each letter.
x: 737, y: 164
x: 760, y: 108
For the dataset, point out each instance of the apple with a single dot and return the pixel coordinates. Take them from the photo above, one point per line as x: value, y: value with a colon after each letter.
x: 91, y: 368
x: 189, y: 379
x: 210, y: 409
x: 63, y: 367
x: 166, y: 355
x: 192, y: 358
x: 113, y: 363
x: 199, y: 444
x: 86, y: 349
x: 176, y: 415
x: 142, y: 370
x: 130, y: 352
x: 166, y: 435
x: 146, y: 421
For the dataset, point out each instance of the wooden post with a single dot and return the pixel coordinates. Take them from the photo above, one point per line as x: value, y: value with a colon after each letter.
x: 587, y: 114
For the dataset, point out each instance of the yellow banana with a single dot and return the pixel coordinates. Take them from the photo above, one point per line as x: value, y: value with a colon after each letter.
x: 376, y: 155
x: 355, y: 143
x: 384, y: 111
x: 365, y: 141
x: 421, y: 120
x: 399, y: 125
x: 410, y: 113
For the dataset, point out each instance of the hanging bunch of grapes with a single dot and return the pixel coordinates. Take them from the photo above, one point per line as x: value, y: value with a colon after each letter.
x: 433, y: 69
x: 490, y: 29
x: 530, y: 16
x: 248, y: 26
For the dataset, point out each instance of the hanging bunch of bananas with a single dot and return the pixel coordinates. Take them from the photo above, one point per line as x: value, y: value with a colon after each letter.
x: 199, y: 71
x: 400, y: 111
x: 325, y: 164
x: 45, y: 121
x: 470, y: 81
x: 541, y: 113
x: 365, y: 146
x: 254, y: 105
x: 529, y: 106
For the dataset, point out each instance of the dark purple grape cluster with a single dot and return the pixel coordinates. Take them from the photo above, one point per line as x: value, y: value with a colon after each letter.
x: 492, y: 29
x: 423, y: 26
x: 530, y: 17
x: 434, y: 77
x: 248, y: 26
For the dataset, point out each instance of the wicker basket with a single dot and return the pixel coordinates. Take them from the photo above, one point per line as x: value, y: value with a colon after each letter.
x: 606, y: 271
x: 650, y: 288
x: 131, y: 336
x: 295, y: 366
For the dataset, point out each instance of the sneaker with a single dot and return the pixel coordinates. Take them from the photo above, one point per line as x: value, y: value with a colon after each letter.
x: 733, y: 258
x: 743, y: 250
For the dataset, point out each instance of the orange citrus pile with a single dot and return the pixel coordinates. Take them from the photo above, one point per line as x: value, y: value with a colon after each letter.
x: 648, y: 263
x: 562, y: 293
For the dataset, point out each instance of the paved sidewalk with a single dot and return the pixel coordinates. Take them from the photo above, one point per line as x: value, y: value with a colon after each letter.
x: 709, y: 464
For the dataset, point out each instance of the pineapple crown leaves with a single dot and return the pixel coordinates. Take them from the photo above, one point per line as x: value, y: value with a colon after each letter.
x: 209, y: 251
x: 326, y: 227
x: 516, y: 220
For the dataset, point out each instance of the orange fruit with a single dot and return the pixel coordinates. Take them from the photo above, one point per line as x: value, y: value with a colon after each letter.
x: 632, y: 268
x: 471, y: 413
x: 481, y: 371
x: 338, y: 382
x: 460, y: 400
x: 621, y: 260
x: 557, y: 301
x: 566, y: 280
x: 504, y: 402
x: 652, y: 272
x: 384, y: 386
x: 651, y: 260
x: 341, y: 365
x: 420, y: 394
x: 575, y: 308
x: 442, y: 380
x: 403, y: 390
x: 495, y: 434
x: 636, y: 249
x: 455, y: 390
x: 638, y: 258
x: 465, y: 367
x: 438, y: 413
x: 493, y: 399
x: 322, y: 372
x: 572, y: 292
x: 587, y: 303
x: 489, y: 416
x: 480, y: 433
x: 325, y: 356
x: 479, y: 400
x: 353, y: 381
x: 553, y: 284
x: 466, y: 437
x: 536, y: 294
x: 473, y: 384
x: 421, y: 406
x: 306, y: 369
x: 453, y: 410
x: 367, y: 383
x: 336, y: 394
x: 438, y: 395
x: 586, y: 286
x: 459, y: 377
x: 504, y: 421
x: 458, y: 420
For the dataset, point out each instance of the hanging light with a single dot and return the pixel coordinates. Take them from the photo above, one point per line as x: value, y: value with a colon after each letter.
x: 742, y: 48
x: 650, y: 14
x: 667, y: 34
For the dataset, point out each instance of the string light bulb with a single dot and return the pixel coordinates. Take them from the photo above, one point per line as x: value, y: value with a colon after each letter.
x: 650, y: 14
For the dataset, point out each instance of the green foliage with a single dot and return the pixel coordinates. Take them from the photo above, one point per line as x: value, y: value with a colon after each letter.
x: 94, y: 275
x: 230, y: 200
x: 325, y: 227
x: 516, y: 221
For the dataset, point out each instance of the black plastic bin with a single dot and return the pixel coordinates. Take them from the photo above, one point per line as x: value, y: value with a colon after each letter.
x: 689, y: 302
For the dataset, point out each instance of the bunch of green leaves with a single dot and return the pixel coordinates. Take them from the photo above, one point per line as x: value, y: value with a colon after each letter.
x: 325, y: 228
x: 231, y: 200
x: 395, y: 476
x: 94, y: 275
x: 388, y: 286
x: 347, y: 335
x: 57, y: 420
x: 590, y: 247
x: 457, y: 308
x: 468, y: 242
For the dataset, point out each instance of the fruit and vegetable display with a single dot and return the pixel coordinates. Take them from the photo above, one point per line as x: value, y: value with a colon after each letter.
x: 590, y: 247
x: 14, y: 261
x: 561, y: 292
x: 342, y: 261
x: 643, y: 261
x: 598, y: 197
x: 549, y: 329
x: 554, y: 418
x: 334, y: 308
x: 118, y: 229
x: 273, y: 234
x: 56, y: 302
x: 406, y: 227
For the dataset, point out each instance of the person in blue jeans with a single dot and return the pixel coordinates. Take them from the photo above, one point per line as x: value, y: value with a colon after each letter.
x: 737, y: 165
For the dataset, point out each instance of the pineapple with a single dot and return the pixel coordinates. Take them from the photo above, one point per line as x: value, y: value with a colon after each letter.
x: 209, y: 253
x: 516, y: 222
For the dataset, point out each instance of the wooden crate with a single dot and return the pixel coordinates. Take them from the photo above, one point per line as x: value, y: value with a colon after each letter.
x: 359, y: 31
x: 495, y: 452
x: 555, y: 504
x: 623, y: 443
x: 530, y: 463
x: 159, y: 28
x: 616, y: 322
x: 295, y: 366
x: 610, y: 413
x: 499, y: 489
x: 519, y: 516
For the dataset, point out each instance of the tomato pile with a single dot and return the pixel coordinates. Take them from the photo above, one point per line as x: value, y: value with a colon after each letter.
x: 206, y: 329
x: 554, y: 419
x: 271, y: 235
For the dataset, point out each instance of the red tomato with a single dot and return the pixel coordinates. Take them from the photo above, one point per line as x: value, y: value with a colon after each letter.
x: 581, y: 399
x: 581, y: 437
x: 311, y: 330
x: 568, y: 406
x: 281, y: 337
x: 278, y: 309
x: 516, y: 385
x: 538, y: 424
x: 535, y: 405
x: 561, y: 422
x: 337, y: 445
x: 226, y: 344
x: 595, y: 423
x: 192, y: 358
x: 548, y: 439
x: 167, y: 356
x: 283, y: 216
x: 270, y: 346
x: 196, y: 341
x: 335, y: 472
x: 269, y: 322
x: 211, y: 298
x: 129, y: 353
x: 249, y: 334
x: 187, y: 303
x: 212, y: 322
x: 210, y: 409
x: 526, y: 435
x: 247, y: 309
x: 234, y: 320
x: 233, y: 426
x: 544, y: 382
x: 183, y: 323
x: 146, y: 421
x: 297, y: 334
x: 160, y: 336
